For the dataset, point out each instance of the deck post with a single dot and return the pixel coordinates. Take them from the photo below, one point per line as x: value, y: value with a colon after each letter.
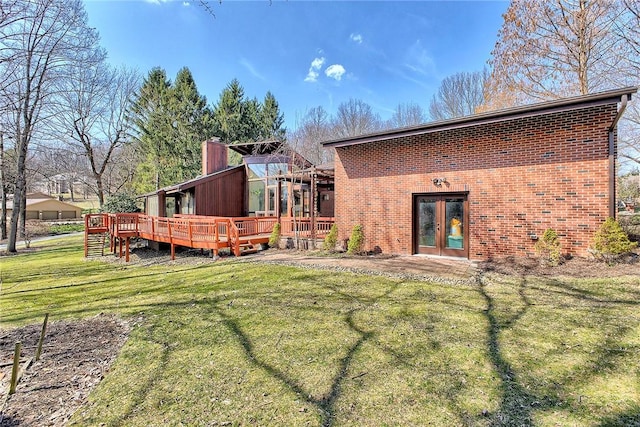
x: 127, y: 250
x: 86, y: 233
x: 314, y: 210
x: 173, y: 247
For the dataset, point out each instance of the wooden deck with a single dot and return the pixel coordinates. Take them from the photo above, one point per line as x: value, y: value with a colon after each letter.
x: 239, y: 234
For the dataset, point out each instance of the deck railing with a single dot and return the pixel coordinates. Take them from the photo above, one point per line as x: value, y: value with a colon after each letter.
x: 304, y: 227
x: 204, y: 232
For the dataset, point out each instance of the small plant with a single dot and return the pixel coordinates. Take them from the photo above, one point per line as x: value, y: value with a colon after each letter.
x: 274, y: 240
x: 34, y: 228
x: 356, y: 241
x: 548, y: 248
x: 331, y: 239
x: 611, y: 242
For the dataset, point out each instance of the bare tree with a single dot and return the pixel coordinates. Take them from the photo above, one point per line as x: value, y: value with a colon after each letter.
x: 551, y: 49
x: 459, y: 95
x: 408, y: 114
x: 355, y: 117
x: 93, y: 111
x: 314, y: 128
x: 628, y: 29
x: 35, y: 52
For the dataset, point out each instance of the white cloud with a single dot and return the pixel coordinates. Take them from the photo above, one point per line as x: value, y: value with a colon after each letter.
x: 335, y: 71
x: 418, y: 60
x: 186, y: 3
x: 249, y: 66
x: 356, y: 38
x: 314, y: 69
x: 317, y: 63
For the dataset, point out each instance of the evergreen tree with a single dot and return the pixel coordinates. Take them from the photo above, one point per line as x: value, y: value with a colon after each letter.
x: 271, y: 119
x: 251, y: 123
x: 239, y: 119
x: 228, y: 113
x: 150, y: 118
x: 171, y: 121
x: 192, y: 123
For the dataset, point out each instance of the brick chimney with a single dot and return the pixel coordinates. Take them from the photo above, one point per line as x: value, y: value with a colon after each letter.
x: 214, y: 156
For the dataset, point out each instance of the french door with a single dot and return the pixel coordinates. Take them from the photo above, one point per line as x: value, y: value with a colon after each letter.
x: 440, y: 224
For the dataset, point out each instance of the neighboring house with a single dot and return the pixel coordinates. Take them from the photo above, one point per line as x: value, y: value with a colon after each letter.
x: 44, y: 207
x: 270, y: 177
x: 487, y: 185
x: 61, y: 184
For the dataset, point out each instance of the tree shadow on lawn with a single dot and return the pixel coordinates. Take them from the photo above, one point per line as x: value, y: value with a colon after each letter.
x: 325, y: 404
x: 518, y: 402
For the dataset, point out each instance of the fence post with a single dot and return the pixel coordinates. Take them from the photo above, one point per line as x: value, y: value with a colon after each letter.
x: 44, y: 331
x: 16, y: 367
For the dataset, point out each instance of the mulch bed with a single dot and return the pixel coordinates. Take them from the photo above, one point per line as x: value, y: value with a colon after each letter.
x: 75, y: 357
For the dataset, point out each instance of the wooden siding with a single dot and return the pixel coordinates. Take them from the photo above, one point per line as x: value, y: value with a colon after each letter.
x: 222, y: 195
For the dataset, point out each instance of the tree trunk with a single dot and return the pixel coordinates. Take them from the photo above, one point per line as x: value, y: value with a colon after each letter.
x: 20, y: 192
x: 71, y: 190
x: 23, y: 209
x: 3, y: 192
x: 100, y: 189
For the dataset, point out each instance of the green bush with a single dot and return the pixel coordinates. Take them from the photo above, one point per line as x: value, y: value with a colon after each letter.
x: 66, y: 228
x: 274, y: 240
x: 548, y: 248
x: 611, y: 242
x: 120, y: 203
x: 331, y: 239
x: 356, y: 241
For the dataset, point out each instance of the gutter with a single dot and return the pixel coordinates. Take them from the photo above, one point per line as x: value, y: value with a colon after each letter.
x: 612, y: 155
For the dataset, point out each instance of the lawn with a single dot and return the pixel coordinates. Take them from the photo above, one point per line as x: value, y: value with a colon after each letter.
x: 229, y: 343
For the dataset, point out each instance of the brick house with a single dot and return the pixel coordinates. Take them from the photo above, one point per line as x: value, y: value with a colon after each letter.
x: 487, y: 185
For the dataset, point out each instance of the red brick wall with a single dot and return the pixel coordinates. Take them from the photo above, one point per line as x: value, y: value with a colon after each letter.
x: 522, y: 177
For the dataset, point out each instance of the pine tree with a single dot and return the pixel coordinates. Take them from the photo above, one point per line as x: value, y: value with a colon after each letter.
x: 149, y: 117
x: 171, y: 121
x: 192, y: 123
x: 271, y: 119
x: 228, y: 113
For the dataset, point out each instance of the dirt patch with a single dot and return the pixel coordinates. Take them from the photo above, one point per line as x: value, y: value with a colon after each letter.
x: 75, y: 357
x: 574, y: 267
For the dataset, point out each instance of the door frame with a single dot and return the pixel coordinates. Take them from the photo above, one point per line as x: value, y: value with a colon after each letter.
x: 440, y: 249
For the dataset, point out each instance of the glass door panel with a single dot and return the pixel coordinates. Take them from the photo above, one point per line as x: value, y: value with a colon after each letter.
x: 426, y: 222
x: 454, y: 213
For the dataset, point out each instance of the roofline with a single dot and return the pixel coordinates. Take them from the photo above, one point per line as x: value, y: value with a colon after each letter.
x: 559, y: 105
x: 185, y: 185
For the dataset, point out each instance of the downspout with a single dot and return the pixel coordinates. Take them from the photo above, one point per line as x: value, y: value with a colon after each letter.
x: 612, y: 157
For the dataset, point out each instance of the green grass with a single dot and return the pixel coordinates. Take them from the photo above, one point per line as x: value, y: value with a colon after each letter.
x: 251, y: 344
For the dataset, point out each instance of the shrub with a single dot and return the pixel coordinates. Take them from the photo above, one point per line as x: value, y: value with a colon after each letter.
x: 611, y: 242
x: 120, y: 203
x: 274, y: 240
x: 331, y: 239
x: 66, y: 228
x: 356, y: 241
x: 548, y: 248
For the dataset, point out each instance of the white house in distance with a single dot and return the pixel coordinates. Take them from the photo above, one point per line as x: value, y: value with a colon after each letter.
x: 44, y: 207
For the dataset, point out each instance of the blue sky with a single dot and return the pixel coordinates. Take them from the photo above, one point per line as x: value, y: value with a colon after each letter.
x: 306, y: 53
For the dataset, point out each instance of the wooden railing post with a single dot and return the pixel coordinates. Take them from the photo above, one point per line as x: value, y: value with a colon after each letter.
x: 173, y: 248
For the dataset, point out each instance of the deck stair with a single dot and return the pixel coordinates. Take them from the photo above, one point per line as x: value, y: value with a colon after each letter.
x: 249, y: 248
x: 95, y: 244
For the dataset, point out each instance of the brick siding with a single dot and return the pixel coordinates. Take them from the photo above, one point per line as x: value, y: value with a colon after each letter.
x: 522, y: 176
